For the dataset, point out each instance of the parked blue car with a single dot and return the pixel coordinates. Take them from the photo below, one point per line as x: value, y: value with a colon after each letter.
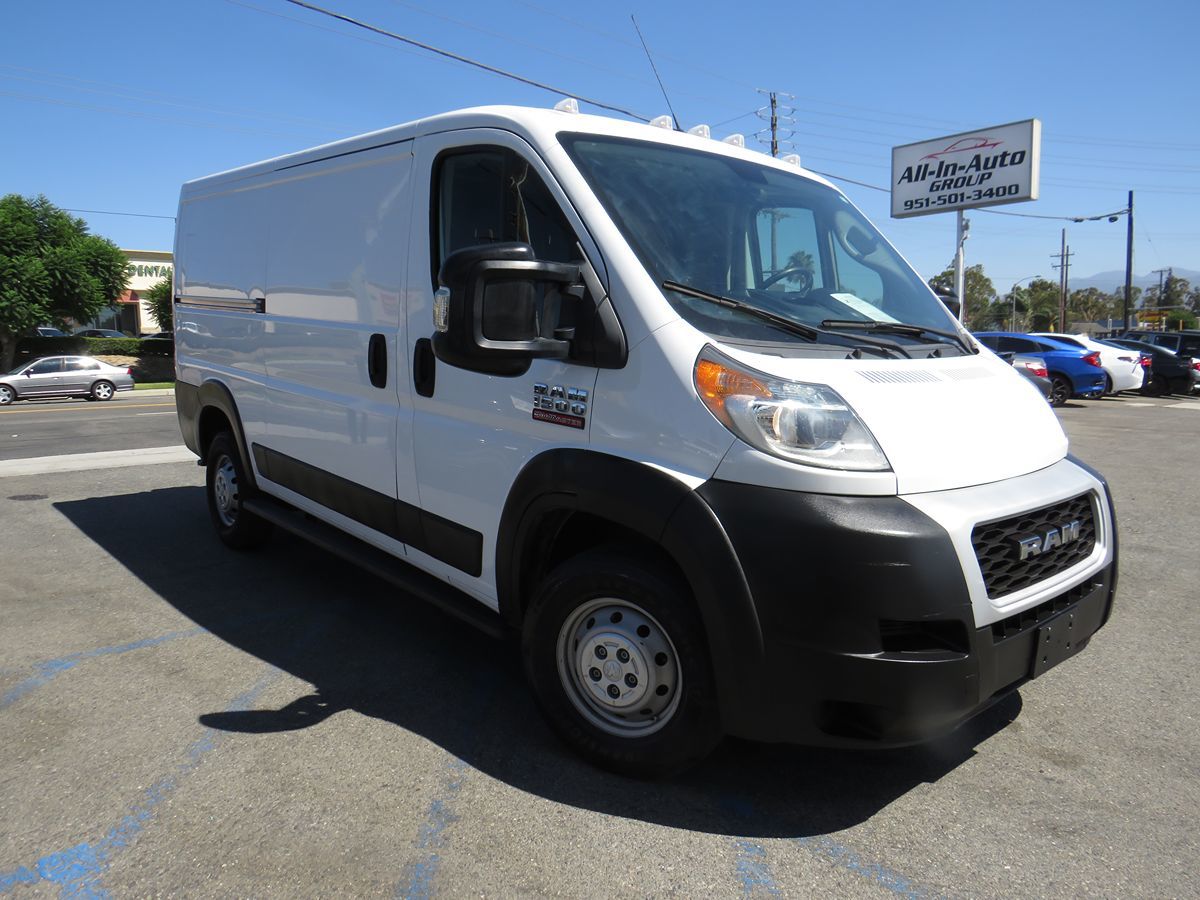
x: 1073, y: 371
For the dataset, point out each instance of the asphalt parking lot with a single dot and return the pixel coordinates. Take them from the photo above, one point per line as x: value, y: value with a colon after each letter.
x: 179, y: 719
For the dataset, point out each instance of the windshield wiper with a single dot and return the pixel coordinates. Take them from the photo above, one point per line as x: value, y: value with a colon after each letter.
x: 783, y: 322
x: 899, y: 328
x: 805, y: 331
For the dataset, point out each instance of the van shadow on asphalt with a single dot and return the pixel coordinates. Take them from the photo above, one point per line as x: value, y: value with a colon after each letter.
x: 366, y: 647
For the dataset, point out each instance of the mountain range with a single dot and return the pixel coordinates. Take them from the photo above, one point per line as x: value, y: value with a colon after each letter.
x: 1109, y: 281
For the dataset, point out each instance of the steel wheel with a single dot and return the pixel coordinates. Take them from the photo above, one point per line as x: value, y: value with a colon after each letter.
x: 616, y: 655
x: 102, y: 390
x: 227, y: 487
x: 619, y: 667
x: 225, y: 490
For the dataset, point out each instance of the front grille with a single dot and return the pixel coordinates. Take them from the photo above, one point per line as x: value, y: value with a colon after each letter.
x: 998, y: 553
x: 1036, y: 615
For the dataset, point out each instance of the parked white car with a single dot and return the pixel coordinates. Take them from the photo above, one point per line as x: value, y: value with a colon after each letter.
x: 1123, y: 367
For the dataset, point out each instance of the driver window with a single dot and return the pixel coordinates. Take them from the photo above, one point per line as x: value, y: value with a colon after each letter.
x: 857, y: 279
x: 787, y: 243
x: 46, y: 367
x: 491, y: 195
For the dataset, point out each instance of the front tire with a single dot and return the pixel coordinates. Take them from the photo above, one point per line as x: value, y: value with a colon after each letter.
x: 616, y: 656
x: 227, y: 486
x: 7, y: 395
x: 1060, y: 390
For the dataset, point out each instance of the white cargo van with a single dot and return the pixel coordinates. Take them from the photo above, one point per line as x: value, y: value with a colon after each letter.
x: 672, y: 412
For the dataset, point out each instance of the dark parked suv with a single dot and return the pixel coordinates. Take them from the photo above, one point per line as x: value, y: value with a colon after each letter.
x: 1181, y: 343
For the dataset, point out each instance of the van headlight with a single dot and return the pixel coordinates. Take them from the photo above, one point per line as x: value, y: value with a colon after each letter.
x: 793, y: 420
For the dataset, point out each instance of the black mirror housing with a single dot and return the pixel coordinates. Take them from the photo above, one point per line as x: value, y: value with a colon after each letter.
x: 499, y: 307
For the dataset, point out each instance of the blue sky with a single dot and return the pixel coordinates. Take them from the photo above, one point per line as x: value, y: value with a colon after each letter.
x: 111, y: 106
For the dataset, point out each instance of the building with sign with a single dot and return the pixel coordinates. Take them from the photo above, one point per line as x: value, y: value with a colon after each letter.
x: 129, y: 312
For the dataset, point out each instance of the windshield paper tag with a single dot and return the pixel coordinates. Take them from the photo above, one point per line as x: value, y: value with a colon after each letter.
x: 560, y: 405
x: 859, y: 305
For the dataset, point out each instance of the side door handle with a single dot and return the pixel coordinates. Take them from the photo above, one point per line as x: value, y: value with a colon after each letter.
x: 424, y: 367
x: 377, y: 360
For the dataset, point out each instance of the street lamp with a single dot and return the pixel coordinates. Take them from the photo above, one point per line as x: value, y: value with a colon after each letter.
x: 1013, y: 294
x: 1113, y: 217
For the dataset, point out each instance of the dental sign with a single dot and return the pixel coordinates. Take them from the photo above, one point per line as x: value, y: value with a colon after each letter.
x: 965, y: 171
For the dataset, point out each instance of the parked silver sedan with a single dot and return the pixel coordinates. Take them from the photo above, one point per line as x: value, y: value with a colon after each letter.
x: 64, y: 376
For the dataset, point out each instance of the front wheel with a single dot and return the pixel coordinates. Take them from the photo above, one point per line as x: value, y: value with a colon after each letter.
x: 1060, y: 390
x: 227, y: 486
x: 7, y: 395
x: 616, y: 656
x: 102, y: 390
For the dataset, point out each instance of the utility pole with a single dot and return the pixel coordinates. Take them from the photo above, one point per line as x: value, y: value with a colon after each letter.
x: 774, y: 125
x: 1063, y: 265
x: 1160, y: 299
x: 960, y: 272
x: 1128, y: 265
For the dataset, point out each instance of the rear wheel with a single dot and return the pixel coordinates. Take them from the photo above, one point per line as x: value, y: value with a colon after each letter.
x: 7, y: 395
x: 1108, y: 385
x: 1157, y: 386
x: 102, y: 390
x: 617, y: 659
x: 227, y: 487
x: 1060, y: 390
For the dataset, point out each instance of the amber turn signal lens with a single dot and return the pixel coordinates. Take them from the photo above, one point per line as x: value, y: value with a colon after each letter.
x: 715, y: 382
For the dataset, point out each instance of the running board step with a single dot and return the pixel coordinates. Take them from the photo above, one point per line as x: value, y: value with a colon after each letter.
x: 383, y: 565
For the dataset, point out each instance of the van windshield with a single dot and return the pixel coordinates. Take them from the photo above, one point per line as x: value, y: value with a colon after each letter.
x: 778, y: 242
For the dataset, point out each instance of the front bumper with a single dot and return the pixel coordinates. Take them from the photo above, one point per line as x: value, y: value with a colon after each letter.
x: 869, y: 623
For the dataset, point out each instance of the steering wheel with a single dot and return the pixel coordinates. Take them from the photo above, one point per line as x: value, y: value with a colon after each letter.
x: 803, y: 274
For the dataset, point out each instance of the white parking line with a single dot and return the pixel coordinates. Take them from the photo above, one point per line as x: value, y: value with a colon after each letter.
x: 84, y: 462
x: 1195, y: 406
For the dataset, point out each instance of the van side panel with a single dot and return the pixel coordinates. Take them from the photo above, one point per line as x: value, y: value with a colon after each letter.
x: 220, y: 258
x: 337, y: 242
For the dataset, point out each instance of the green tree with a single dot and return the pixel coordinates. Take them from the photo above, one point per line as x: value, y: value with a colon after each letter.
x: 1174, y: 293
x: 51, y: 269
x: 1089, y: 305
x: 979, y: 290
x: 159, y: 298
x: 1180, y: 318
x: 1040, y: 298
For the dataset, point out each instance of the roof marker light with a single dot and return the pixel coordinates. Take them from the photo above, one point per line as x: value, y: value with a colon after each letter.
x: 700, y: 131
x: 569, y: 105
x: 792, y: 159
x: 736, y: 140
x: 663, y: 122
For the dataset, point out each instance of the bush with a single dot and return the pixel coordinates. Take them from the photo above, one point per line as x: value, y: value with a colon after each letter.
x: 32, y: 347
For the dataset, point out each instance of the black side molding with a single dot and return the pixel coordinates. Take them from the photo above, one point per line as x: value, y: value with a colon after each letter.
x: 441, y: 538
x: 383, y: 565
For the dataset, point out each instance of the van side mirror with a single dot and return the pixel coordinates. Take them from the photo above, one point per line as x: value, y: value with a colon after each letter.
x: 499, y: 306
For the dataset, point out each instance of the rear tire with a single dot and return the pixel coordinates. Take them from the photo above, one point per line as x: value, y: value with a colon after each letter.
x: 1060, y: 390
x: 227, y: 486
x: 616, y: 656
x: 1158, y: 386
x: 102, y: 390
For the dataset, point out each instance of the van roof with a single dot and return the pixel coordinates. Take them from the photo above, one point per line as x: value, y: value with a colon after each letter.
x: 538, y: 126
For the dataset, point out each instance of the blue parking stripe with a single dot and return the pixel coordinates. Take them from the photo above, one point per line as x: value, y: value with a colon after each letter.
x: 47, y: 671
x: 77, y: 870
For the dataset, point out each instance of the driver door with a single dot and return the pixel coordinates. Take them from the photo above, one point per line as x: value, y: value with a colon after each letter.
x: 474, y: 432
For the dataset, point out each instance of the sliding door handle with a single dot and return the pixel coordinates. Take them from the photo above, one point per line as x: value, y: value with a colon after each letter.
x: 377, y: 360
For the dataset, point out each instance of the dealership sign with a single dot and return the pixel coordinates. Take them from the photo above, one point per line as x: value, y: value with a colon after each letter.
x: 964, y: 171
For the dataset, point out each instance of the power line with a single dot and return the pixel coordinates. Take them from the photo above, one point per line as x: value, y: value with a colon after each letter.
x: 109, y: 212
x: 463, y: 59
